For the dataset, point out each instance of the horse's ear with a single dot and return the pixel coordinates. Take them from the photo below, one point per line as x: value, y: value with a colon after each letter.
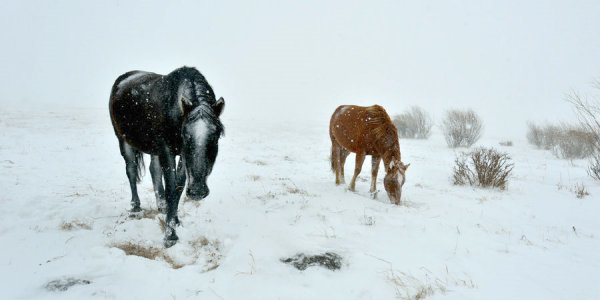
x: 219, y: 106
x: 405, y: 166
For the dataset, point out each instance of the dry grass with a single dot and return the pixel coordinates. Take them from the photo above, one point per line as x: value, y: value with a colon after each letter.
x: 75, y: 225
x: 148, y: 252
x: 254, y: 177
x: 267, y: 196
x: 483, y: 167
x: 506, y: 143
x: 409, y: 287
x: 580, y: 191
x: 257, y: 162
x: 212, y: 252
x: 296, y: 190
x: 150, y: 213
x: 156, y: 253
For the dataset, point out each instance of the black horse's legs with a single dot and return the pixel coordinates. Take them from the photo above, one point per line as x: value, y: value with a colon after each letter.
x: 131, y: 157
x: 157, y: 182
x: 167, y: 162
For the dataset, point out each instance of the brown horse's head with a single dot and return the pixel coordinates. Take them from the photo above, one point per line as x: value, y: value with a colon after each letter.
x: 394, y: 180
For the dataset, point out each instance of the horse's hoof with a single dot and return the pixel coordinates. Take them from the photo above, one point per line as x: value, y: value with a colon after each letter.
x: 374, y: 194
x: 161, y: 206
x: 171, y: 239
x: 170, y: 243
x: 136, y: 212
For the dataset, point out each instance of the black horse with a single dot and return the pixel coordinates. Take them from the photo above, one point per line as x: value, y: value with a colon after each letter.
x: 165, y: 116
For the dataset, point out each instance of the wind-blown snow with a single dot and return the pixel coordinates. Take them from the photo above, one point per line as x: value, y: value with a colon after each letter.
x: 65, y: 195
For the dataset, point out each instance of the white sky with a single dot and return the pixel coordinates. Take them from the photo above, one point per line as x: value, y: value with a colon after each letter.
x: 511, y: 61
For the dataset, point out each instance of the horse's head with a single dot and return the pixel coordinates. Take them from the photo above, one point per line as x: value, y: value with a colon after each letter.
x: 394, y: 180
x: 202, y: 129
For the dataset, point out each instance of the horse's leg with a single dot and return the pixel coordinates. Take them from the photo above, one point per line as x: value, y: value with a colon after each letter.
x: 374, y: 169
x: 167, y: 162
x: 180, y: 184
x: 131, y: 166
x: 157, y: 182
x: 343, y: 154
x: 360, y: 158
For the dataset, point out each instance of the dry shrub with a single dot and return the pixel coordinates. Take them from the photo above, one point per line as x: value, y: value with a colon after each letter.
x: 588, y: 112
x: 543, y: 137
x: 581, y: 191
x: 564, y: 140
x: 483, y: 167
x: 506, y: 143
x: 574, y: 143
x: 414, y: 123
x: 461, y: 128
x: 594, y: 167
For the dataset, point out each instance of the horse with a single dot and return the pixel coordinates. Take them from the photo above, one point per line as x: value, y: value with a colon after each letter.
x: 367, y: 131
x: 167, y: 116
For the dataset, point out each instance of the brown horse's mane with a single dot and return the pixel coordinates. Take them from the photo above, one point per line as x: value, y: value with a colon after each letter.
x: 385, y: 132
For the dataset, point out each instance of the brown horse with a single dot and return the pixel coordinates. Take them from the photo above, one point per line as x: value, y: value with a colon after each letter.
x: 367, y: 131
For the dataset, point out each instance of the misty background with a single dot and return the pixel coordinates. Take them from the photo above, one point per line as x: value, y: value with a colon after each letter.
x: 510, y: 61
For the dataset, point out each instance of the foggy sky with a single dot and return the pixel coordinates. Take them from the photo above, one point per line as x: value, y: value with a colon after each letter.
x: 510, y: 61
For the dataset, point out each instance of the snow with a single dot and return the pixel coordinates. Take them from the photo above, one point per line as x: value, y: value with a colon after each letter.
x: 65, y: 196
x: 132, y: 77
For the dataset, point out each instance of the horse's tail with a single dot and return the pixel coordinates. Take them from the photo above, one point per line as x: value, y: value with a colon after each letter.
x: 332, y: 157
x: 141, y: 168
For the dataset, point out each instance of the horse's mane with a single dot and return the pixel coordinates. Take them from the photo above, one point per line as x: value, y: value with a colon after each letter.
x: 203, y: 92
x: 385, y: 132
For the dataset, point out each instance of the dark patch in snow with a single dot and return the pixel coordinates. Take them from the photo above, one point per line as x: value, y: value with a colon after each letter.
x: 329, y: 260
x: 61, y: 285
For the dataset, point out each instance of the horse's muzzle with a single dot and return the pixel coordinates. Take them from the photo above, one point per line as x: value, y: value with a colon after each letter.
x: 197, y: 194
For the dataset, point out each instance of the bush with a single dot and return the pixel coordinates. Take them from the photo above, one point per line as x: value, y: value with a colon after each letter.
x: 461, y: 128
x: 483, y: 167
x: 594, y: 167
x: 588, y: 113
x: 573, y: 143
x: 414, y: 124
x: 565, y: 141
x: 543, y: 137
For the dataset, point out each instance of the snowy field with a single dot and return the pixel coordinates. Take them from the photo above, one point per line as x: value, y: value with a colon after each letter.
x: 65, y: 196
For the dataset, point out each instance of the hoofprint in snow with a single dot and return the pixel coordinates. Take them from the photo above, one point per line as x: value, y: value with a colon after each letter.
x: 65, y: 233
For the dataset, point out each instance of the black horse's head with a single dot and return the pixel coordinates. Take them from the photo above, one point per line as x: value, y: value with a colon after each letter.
x: 201, y: 132
x: 201, y: 129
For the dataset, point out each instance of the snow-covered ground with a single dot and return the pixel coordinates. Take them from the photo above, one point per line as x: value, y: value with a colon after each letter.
x: 64, y: 197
